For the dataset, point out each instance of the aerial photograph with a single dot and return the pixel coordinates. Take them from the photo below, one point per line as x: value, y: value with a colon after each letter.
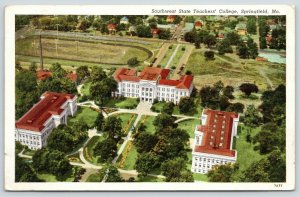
x: 150, y: 98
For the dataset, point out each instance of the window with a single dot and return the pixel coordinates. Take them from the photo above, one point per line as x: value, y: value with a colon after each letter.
x: 146, y: 89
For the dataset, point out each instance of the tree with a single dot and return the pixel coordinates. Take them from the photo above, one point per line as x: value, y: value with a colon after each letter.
x: 143, y: 31
x: 163, y: 120
x: 236, y: 107
x: 242, y: 51
x: 222, y: 173
x: 144, y: 142
x: 164, y: 34
x: 228, y: 92
x: 84, y: 25
x: 190, y: 36
x: 186, y: 105
x: 133, y: 61
x: 224, y: 103
x: 210, y: 97
x: 97, y: 74
x: 264, y: 138
x: 113, y: 126
x: 102, y: 90
x: 99, y: 122
x: 210, y: 40
x: 51, y: 161
x: 82, y: 72
x: 252, y: 117
x: 197, y: 44
x: 175, y: 171
x: 248, y: 88
x: 209, y: 55
x: 225, y: 47
x: 32, y: 67
x: 273, y: 105
x: 252, y: 48
x: 24, y: 172
x: 57, y: 71
x: 146, y: 162
x: 106, y: 150
x: 233, y: 38
x: 251, y: 25
x: 65, y: 138
x: 168, y: 108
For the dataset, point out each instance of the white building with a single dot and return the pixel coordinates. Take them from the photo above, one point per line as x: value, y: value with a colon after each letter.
x: 33, y: 128
x: 152, y: 83
x: 213, y: 140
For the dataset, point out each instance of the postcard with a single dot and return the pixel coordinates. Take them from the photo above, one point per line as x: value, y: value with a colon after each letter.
x: 149, y: 97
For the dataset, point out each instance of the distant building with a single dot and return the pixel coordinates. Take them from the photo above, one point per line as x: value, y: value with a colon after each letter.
x: 187, y: 28
x: 34, y: 127
x: 152, y: 83
x: 112, y: 28
x: 214, y: 140
x: 170, y: 18
x: 124, y: 20
x: 241, y: 29
x: 44, y: 74
x: 155, y: 32
x: 198, y: 25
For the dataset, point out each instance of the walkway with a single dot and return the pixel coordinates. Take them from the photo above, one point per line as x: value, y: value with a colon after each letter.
x: 172, y: 56
x: 161, y: 54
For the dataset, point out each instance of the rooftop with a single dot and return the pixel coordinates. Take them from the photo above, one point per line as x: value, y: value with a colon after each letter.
x: 50, y: 105
x: 217, y: 133
x: 153, y: 74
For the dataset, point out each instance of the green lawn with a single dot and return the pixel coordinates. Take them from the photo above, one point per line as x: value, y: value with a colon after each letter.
x: 131, y: 156
x: 167, y: 56
x: 93, y: 178
x: 177, y: 56
x: 149, y: 127
x: 196, y: 113
x: 127, y: 103
x: 157, y: 107
x: 88, y: 151
x: 245, y: 152
x: 85, y: 89
x: 75, y: 158
x: 85, y: 114
x: 127, y: 120
x: 69, y: 177
x: 189, y: 126
x: 29, y: 152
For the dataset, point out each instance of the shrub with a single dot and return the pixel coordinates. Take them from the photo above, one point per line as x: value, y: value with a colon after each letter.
x: 183, y: 48
x: 209, y: 55
x: 171, y: 46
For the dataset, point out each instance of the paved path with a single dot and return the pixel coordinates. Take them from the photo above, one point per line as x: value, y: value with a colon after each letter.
x: 185, y: 118
x: 24, y: 156
x: 172, y: 56
x: 184, y: 59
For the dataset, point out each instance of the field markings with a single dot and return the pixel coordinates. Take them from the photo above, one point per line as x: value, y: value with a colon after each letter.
x: 172, y: 56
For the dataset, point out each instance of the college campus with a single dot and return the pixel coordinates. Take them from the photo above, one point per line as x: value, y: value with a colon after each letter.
x: 169, y: 98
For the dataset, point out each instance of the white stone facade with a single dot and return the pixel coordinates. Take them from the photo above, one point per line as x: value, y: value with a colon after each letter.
x: 36, y: 140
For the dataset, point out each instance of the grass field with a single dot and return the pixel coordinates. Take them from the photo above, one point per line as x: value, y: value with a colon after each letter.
x: 88, y: 151
x: 167, y: 56
x: 245, y: 152
x: 177, y: 57
x: 69, y: 177
x: 128, y: 103
x: 85, y: 114
x: 128, y: 159
x: 93, y: 178
x: 89, y: 51
x: 232, y: 70
x: 127, y: 121
x: 189, y: 126
x: 85, y: 89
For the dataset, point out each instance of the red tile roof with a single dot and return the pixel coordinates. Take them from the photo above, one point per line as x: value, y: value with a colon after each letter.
x: 154, y: 31
x: 43, y: 74
x: 111, y: 26
x: 72, y: 76
x: 153, y: 74
x: 35, y: 118
x: 198, y: 24
x: 217, y: 133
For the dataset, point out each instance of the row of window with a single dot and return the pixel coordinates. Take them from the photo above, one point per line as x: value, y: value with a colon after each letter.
x: 29, y: 142
x: 204, y: 160
x: 29, y: 137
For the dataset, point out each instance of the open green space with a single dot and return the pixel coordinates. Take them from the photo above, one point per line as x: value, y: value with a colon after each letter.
x: 127, y: 120
x: 189, y: 126
x: 88, y: 151
x: 85, y: 89
x: 167, y: 56
x: 29, y: 152
x: 127, y: 103
x: 177, y: 56
x: 93, y: 178
x: 148, y: 123
x: 69, y: 177
x: 232, y: 70
x: 127, y: 159
x: 245, y: 150
x: 85, y: 114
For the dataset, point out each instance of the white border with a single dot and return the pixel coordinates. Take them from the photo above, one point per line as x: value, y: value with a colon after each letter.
x: 11, y: 11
